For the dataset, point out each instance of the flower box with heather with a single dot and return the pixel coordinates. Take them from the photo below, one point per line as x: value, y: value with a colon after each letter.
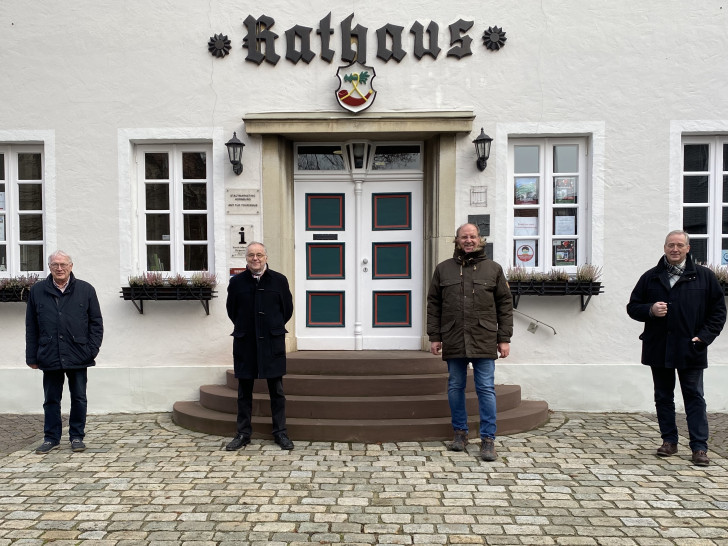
x: 154, y: 286
x: 557, y: 282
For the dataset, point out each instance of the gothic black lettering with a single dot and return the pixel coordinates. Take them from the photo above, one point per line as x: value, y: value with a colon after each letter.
x: 259, y: 35
x: 432, y: 32
x: 304, y: 35
x: 456, y: 30
x: 325, y: 32
x: 358, y: 34
x: 384, y: 53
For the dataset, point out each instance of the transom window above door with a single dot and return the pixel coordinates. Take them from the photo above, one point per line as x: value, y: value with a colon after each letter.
x: 359, y: 155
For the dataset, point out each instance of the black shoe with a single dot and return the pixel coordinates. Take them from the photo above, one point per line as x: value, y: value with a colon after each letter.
x: 238, y: 442
x: 666, y: 449
x: 46, y: 447
x: 77, y: 445
x: 284, y: 441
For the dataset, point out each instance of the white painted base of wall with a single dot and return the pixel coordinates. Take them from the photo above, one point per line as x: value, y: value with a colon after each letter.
x: 602, y: 387
x: 114, y: 390
x: 571, y: 387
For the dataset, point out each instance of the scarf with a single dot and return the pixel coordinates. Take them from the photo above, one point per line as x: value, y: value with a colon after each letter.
x: 674, y: 272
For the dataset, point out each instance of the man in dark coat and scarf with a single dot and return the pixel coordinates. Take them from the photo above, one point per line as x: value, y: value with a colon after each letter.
x: 683, y: 308
x: 259, y: 303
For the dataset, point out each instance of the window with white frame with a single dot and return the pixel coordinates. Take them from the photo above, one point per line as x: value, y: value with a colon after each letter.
x: 705, y: 197
x: 22, y: 226
x: 175, y: 208
x: 550, y: 189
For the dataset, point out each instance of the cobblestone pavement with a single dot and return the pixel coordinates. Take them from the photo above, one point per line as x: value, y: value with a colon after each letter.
x: 584, y: 478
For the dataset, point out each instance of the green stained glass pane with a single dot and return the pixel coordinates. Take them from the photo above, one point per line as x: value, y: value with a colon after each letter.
x: 391, y: 211
x: 325, y: 309
x: 391, y: 309
x: 325, y: 212
x: 325, y: 260
x: 391, y: 260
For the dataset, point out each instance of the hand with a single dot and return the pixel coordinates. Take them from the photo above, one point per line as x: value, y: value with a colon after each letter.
x: 435, y: 347
x: 504, y: 349
x: 659, y: 309
x: 34, y: 366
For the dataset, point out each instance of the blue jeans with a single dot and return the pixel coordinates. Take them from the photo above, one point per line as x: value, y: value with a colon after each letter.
x: 53, y: 391
x: 691, y: 385
x: 484, y: 375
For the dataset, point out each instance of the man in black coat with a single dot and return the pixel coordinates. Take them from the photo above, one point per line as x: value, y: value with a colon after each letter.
x: 63, y: 333
x: 683, y: 308
x: 259, y: 303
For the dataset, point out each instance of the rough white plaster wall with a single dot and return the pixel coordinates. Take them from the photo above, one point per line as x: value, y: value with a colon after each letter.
x: 90, y: 72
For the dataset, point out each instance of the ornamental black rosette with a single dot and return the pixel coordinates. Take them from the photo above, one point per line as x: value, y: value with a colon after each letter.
x: 494, y: 38
x: 218, y: 46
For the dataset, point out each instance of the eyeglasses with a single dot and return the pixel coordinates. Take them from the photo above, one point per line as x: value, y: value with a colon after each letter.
x: 259, y: 256
x: 58, y: 265
x: 676, y: 245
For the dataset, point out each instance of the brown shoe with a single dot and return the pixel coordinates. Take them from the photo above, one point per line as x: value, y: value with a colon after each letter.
x: 459, y: 441
x: 700, y: 458
x: 666, y: 449
x: 487, y: 450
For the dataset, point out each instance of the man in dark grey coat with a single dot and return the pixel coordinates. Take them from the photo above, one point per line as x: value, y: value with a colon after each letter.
x: 259, y: 303
x: 63, y: 333
x: 683, y: 308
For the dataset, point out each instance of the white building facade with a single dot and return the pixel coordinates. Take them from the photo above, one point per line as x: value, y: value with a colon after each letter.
x: 609, y: 127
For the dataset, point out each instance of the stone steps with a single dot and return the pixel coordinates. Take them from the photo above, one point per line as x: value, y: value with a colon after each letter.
x: 359, y: 396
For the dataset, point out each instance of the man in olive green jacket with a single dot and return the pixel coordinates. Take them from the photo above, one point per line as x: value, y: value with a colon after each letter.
x: 470, y: 320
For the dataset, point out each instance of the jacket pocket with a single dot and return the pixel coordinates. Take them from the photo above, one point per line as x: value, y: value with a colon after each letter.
x: 43, y: 353
x: 80, y: 350
x: 278, y: 341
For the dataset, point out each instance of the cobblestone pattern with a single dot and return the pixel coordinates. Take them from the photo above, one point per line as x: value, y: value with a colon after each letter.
x: 17, y: 430
x: 582, y: 479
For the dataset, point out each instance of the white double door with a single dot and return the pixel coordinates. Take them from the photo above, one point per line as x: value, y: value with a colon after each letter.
x: 359, y: 263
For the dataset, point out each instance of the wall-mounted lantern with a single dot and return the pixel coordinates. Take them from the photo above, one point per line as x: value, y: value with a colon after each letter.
x: 482, y: 148
x: 235, y: 153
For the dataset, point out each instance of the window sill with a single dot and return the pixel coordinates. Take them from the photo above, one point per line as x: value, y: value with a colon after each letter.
x: 139, y: 294
x: 585, y: 289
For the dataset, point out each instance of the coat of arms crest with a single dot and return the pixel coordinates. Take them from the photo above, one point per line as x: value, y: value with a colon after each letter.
x: 355, y: 92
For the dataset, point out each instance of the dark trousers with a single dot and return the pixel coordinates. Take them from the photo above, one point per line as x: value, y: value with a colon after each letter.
x: 277, y: 405
x: 53, y: 391
x: 691, y: 385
